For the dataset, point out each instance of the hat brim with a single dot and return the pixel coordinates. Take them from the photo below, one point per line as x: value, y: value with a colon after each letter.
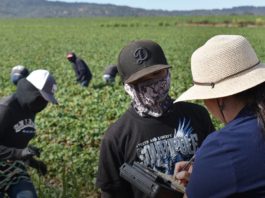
x: 145, y: 71
x: 49, y: 97
x: 227, y: 87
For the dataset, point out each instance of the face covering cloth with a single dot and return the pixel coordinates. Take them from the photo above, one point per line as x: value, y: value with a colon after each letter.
x: 150, y: 97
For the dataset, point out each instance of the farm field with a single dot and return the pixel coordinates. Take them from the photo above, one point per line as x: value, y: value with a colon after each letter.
x: 70, y: 133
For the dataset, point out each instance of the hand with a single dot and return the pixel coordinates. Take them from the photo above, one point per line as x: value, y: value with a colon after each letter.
x: 29, y: 152
x: 41, y: 168
x: 182, y: 175
x: 39, y: 165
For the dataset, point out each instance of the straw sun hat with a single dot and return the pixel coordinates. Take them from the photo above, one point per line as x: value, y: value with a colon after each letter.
x: 223, y: 66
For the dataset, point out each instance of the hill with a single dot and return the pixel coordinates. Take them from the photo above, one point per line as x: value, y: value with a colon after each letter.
x: 46, y: 9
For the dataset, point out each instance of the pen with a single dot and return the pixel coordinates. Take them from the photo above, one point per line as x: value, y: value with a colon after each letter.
x: 188, y: 163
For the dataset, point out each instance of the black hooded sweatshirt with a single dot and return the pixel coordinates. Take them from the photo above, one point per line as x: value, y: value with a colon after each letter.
x: 17, y: 115
x: 111, y: 70
x: 81, y: 69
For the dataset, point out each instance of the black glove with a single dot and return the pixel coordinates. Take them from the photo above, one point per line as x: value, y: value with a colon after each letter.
x: 29, y: 152
x: 40, y: 166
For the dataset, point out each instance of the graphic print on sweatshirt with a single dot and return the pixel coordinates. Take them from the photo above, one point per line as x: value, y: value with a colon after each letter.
x: 161, y: 153
x: 24, y: 126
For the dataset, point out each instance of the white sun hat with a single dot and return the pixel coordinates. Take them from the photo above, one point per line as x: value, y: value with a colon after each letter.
x: 45, y: 83
x: 225, y: 65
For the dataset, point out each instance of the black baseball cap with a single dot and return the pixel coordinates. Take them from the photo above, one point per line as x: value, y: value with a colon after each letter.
x: 140, y: 58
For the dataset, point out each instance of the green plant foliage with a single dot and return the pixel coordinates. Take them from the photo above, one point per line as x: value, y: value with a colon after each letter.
x: 70, y: 133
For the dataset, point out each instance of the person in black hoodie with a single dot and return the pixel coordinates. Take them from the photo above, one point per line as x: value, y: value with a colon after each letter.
x: 110, y: 74
x: 18, y: 72
x: 153, y: 131
x: 83, y: 74
x: 17, y: 128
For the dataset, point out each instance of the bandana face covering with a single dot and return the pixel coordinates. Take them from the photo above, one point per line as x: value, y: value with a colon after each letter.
x: 150, y: 97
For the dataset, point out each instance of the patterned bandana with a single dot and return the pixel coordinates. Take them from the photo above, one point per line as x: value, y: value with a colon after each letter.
x: 150, y: 97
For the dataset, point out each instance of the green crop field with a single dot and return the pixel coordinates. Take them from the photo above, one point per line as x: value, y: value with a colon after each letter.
x: 70, y: 133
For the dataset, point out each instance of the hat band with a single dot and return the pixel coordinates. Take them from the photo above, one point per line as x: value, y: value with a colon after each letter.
x: 212, y: 84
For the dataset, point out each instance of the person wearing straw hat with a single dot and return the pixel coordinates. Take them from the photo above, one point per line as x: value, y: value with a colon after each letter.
x: 17, y: 128
x: 153, y: 130
x: 229, y: 78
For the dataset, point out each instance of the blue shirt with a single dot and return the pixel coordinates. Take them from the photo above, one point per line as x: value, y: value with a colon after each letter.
x: 231, y: 162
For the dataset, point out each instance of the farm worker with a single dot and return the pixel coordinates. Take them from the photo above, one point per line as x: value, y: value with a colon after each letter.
x: 229, y: 78
x: 83, y: 74
x: 17, y: 128
x: 18, y: 72
x: 110, y: 74
x: 153, y: 131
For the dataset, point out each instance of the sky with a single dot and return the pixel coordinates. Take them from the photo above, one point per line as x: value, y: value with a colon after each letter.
x: 177, y: 4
